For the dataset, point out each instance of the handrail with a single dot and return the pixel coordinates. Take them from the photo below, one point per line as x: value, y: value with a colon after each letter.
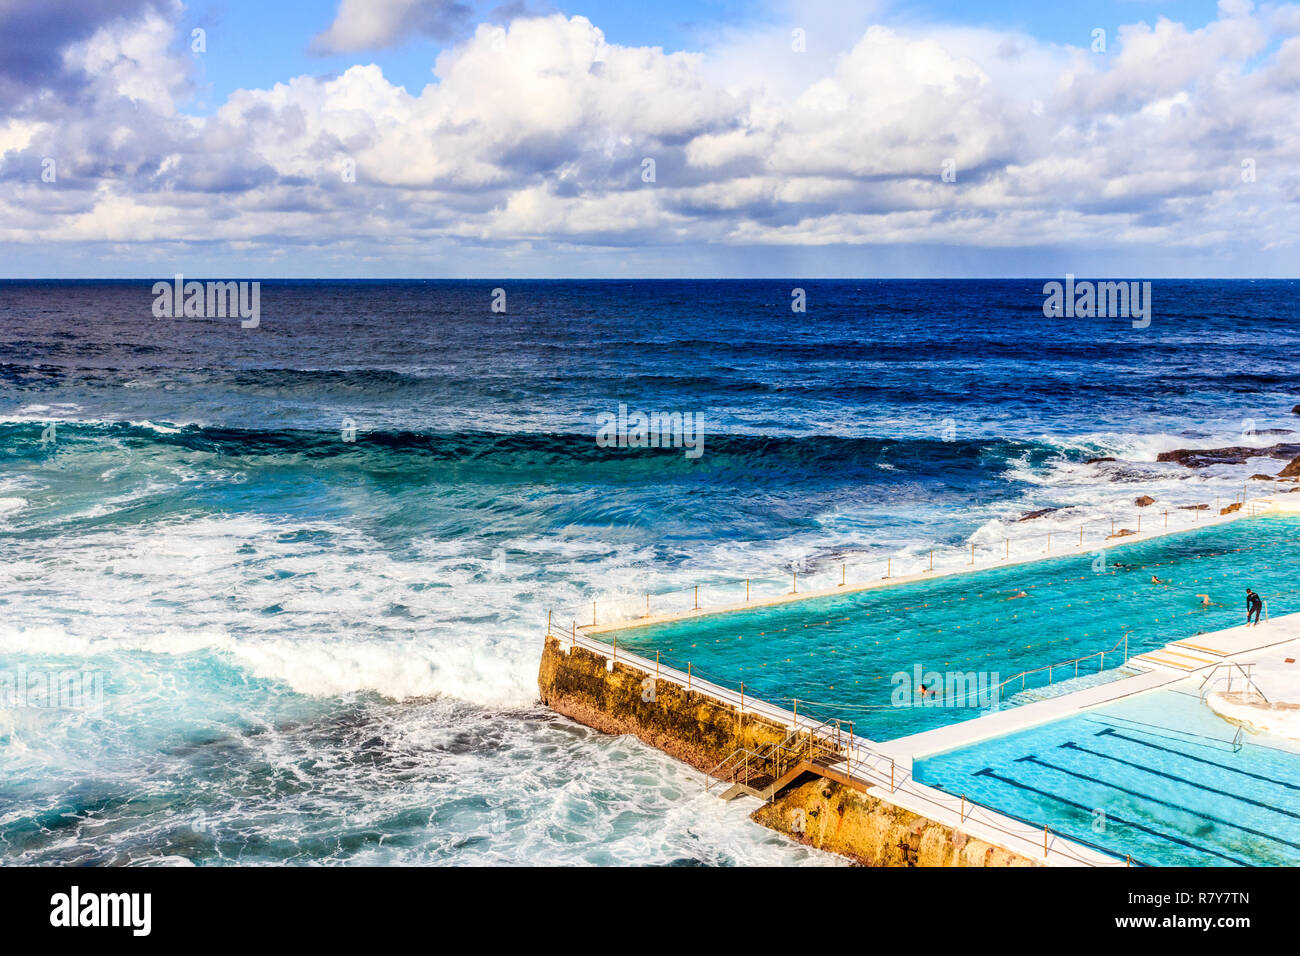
x: 1244, y: 673
x: 779, y: 756
x: 1074, y: 660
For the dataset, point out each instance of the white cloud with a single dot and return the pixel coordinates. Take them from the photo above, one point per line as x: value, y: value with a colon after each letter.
x: 536, y: 134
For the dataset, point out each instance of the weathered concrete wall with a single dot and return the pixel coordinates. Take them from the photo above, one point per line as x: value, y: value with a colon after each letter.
x: 693, y: 728
x: 868, y: 830
x: 702, y: 732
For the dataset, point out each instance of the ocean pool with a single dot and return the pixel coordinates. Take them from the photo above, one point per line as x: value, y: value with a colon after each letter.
x: 860, y: 655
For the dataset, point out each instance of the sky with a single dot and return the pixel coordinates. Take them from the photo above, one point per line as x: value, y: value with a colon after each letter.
x: 539, y: 138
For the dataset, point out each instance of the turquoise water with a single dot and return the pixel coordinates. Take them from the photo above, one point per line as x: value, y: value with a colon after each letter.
x: 855, y: 656
x: 1154, y: 777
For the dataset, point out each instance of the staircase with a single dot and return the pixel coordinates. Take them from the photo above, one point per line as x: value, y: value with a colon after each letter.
x: 822, y: 750
x: 1180, y: 657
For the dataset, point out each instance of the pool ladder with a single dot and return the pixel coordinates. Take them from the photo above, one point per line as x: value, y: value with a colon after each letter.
x: 1244, y: 670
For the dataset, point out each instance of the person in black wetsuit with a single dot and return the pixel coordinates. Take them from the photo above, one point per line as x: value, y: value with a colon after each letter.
x: 1253, y: 606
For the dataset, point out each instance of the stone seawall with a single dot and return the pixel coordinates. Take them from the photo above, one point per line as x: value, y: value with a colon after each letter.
x: 690, y: 726
x: 701, y: 731
x: 871, y: 831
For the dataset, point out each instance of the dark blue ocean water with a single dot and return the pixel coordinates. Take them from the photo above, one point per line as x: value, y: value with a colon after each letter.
x: 320, y: 649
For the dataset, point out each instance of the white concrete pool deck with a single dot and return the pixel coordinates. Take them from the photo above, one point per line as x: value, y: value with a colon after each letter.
x: 1233, y: 645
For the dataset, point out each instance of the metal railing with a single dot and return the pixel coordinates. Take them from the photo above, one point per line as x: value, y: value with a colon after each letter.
x: 736, y: 593
x: 1052, y: 668
x: 866, y: 765
x: 803, y: 745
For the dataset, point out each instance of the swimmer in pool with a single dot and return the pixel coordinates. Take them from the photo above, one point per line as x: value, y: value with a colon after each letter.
x: 1018, y: 594
x: 1205, y: 600
x: 1156, y: 580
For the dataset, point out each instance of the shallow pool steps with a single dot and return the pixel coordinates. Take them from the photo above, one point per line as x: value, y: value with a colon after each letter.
x: 1183, y: 661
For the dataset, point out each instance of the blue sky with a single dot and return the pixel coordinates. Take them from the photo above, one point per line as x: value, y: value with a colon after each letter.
x: 256, y: 44
x: 448, y: 138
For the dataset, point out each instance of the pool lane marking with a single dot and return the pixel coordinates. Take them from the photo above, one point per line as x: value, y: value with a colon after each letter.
x: 1111, y: 732
x: 1031, y: 758
x: 1144, y: 726
x: 988, y: 772
x: 1071, y: 745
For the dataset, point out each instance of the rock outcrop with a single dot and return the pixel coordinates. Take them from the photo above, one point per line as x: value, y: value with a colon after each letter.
x: 1234, y: 455
x: 1143, y: 501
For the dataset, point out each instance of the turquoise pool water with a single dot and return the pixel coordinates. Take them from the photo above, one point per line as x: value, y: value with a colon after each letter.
x: 1154, y: 777
x: 860, y: 656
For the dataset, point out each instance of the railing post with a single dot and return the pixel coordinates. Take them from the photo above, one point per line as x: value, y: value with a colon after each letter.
x: 688, y: 675
x: 844, y: 574
x: 548, y: 622
x: 647, y: 605
x: 697, y: 598
x: 795, y: 586
x: 972, y: 552
x: 932, y: 559
x: 746, y: 590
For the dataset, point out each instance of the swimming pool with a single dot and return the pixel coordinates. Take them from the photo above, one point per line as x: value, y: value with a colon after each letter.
x: 861, y: 656
x: 1155, y: 777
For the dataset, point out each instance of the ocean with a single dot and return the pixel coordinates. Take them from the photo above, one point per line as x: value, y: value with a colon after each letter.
x: 302, y: 571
